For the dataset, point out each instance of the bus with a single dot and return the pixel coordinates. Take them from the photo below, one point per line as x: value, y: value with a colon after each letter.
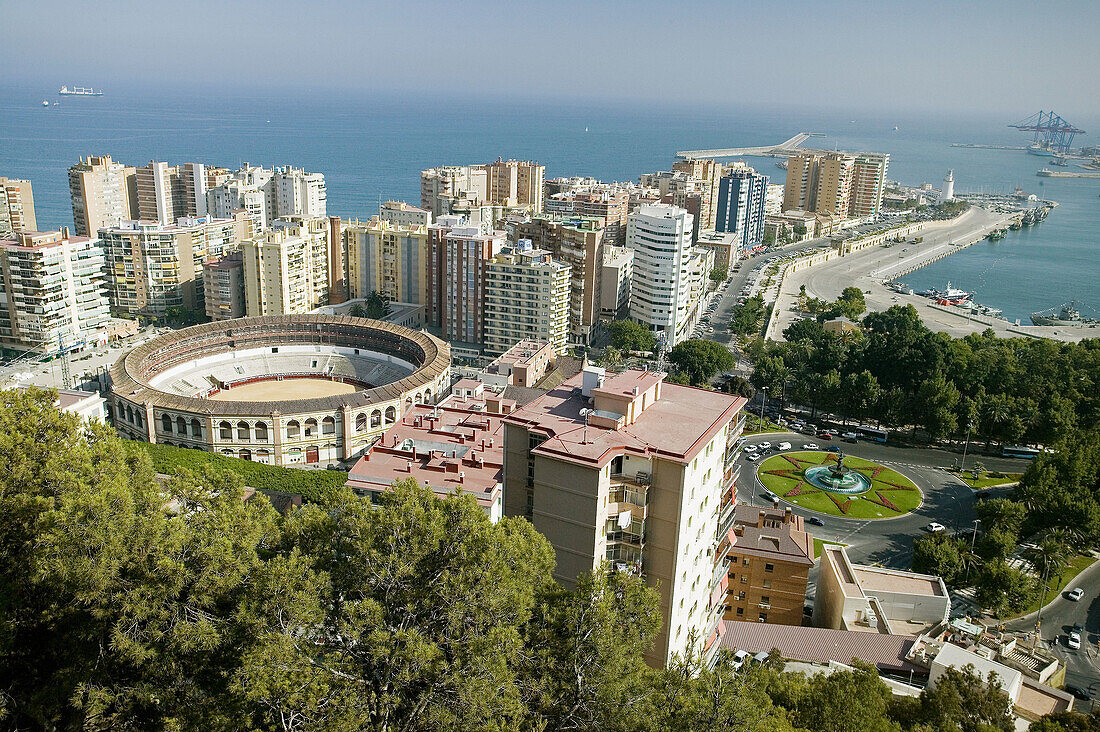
x: 872, y: 433
x: 1024, y: 453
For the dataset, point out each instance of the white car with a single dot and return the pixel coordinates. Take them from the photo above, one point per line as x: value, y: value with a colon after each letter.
x: 784, y: 446
x: 751, y: 448
x: 1076, y: 594
x: 752, y: 457
x: 765, y: 445
x: 1074, y: 640
x: 934, y: 527
x: 810, y: 446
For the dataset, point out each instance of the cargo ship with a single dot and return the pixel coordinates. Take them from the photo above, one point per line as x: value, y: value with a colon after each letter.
x: 79, y: 91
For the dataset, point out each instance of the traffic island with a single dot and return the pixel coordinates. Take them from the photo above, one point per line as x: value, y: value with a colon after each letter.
x: 839, y: 485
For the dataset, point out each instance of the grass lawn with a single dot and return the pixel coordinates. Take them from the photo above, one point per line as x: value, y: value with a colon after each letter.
x: 818, y: 544
x: 891, y: 493
x: 986, y: 479
x: 1059, y: 584
x: 754, y: 426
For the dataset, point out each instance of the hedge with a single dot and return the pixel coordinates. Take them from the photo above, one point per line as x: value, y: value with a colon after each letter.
x: 312, y: 485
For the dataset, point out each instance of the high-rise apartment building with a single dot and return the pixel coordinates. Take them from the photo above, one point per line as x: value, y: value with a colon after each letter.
x: 868, y: 184
x: 387, y: 258
x: 836, y: 184
x: 16, y: 207
x: 579, y: 242
x: 152, y: 267
x: 104, y: 194
x: 526, y: 298
x: 627, y: 473
x: 609, y: 201
x: 661, y: 295
x: 741, y: 201
x: 269, y: 193
x: 223, y: 287
x: 286, y: 269
x: 704, y: 176
x: 508, y: 185
x: 167, y: 193
x: 52, y: 292
x: 615, y: 282
x: 458, y: 256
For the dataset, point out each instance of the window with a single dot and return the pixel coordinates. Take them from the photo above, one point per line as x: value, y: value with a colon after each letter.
x: 767, y: 584
x: 196, y: 428
x: 740, y: 612
x: 293, y: 429
x: 765, y: 600
x: 166, y: 423
x: 744, y: 578
x: 181, y: 425
x: 225, y: 431
x: 242, y: 430
x: 328, y: 426
x: 391, y: 415
x: 375, y: 418
x: 261, y: 433
x: 763, y: 617
x: 744, y: 561
x: 769, y: 567
x: 311, y: 427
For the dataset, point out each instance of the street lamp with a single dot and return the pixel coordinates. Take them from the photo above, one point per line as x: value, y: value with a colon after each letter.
x: 969, y: 425
x: 974, y: 534
x: 763, y: 401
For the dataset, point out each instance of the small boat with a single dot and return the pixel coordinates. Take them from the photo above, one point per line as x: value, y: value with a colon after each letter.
x: 45, y: 103
x: 895, y: 128
x: 1067, y: 315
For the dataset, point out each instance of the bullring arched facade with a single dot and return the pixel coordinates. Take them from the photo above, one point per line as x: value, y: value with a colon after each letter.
x: 160, y: 389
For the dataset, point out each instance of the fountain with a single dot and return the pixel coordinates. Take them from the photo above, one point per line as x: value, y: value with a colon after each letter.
x: 838, y: 478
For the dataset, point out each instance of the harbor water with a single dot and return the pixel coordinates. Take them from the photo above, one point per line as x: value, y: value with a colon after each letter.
x: 371, y: 148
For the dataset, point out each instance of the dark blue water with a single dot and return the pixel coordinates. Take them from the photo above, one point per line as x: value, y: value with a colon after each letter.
x: 372, y: 149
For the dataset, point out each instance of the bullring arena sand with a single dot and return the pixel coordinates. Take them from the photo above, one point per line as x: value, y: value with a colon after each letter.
x: 287, y: 389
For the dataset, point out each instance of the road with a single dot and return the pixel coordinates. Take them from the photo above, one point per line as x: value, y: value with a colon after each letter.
x: 1082, y: 665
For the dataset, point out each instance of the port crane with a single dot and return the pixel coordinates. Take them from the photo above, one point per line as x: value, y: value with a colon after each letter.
x: 1051, y: 131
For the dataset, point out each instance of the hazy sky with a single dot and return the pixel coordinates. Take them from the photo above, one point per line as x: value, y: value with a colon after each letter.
x: 959, y: 56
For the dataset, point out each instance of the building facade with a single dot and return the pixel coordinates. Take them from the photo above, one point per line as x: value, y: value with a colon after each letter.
x: 741, y: 203
x: 103, y: 192
x: 608, y: 201
x: 868, y: 184
x: 52, y: 292
x: 526, y: 298
x: 267, y: 194
x: 625, y: 472
x: 286, y: 269
x: 16, y: 207
x: 661, y: 292
x: 458, y: 257
x: 223, y: 287
x: 615, y: 282
x: 387, y: 257
x: 153, y: 267
x: 504, y: 185
x: 769, y: 554
x: 579, y: 242
x: 167, y: 193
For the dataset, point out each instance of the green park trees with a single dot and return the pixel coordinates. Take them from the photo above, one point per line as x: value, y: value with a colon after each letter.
x: 700, y: 359
x: 626, y: 335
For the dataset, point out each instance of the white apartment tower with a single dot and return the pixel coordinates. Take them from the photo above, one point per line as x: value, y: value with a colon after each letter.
x: 286, y: 269
x: 660, y: 298
x: 269, y: 193
x: 526, y: 298
x: 51, y: 291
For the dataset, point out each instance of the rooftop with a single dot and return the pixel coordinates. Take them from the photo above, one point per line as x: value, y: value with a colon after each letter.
x: 820, y: 645
x: 38, y: 239
x: 675, y: 426
x: 454, y: 445
x: 881, y: 579
x: 771, y: 533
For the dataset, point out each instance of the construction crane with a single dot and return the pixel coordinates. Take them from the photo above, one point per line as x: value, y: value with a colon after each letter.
x: 1052, y: 133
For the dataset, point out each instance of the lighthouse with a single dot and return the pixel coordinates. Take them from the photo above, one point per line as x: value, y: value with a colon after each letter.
x: 948, y: 190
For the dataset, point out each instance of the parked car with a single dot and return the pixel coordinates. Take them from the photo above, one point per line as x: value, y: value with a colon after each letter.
x: 1076, y: 594
x: 1078, y: 692
x: 740, y: 657
x: 810, y: 446
x: 752, y: 457
x: 935, y: 527
x: 764, y: 445
x: 816, y: 521
x: 1073, y: 640
x: 784, y: 446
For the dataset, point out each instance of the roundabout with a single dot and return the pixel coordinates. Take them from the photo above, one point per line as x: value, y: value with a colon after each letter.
x: 839, y: 485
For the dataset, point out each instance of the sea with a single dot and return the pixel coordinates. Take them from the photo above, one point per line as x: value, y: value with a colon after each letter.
x: 371, y: 148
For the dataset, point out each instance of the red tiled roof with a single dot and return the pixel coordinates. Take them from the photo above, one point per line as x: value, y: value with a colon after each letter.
x: 820, y: 645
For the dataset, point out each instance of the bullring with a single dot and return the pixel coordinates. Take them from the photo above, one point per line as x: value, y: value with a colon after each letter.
x: 277, y: 389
